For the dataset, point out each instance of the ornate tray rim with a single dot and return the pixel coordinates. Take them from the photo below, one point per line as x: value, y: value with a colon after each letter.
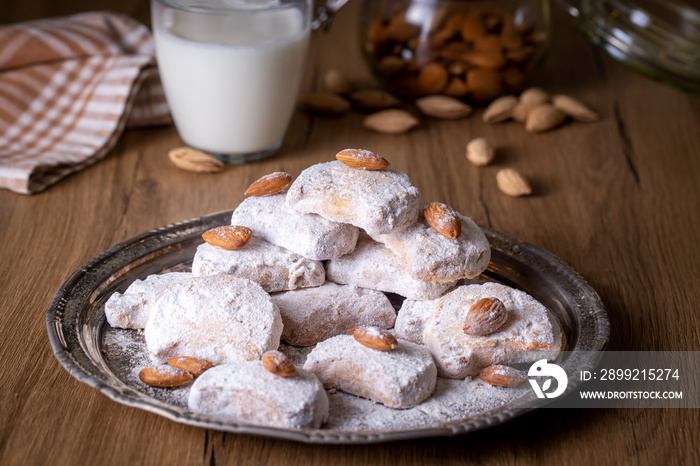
x: 71, y: 346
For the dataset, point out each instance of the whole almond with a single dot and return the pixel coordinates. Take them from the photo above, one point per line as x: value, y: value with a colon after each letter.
x: 401, y: 30
x: 336, y: 82
x: 503, y: 376
x: 278, y: 364
x: 500, y: 109
x: 512, y: 183
x: 543, y: 118
x: 194, y: 366
x: 373, y: 99
x: 521, y: 55
x: 374, y: 337
x: 511, y: 40
x: 390, y: 65
x: 228, y: 237
x: 485, y: 317
x: 488, y: 43
x: 194, y: 161
x: 472, y: 27
x: 574, y: 108
x: 456, y: 88
x: 514, y: 78
x: 324, y: 103
x: 443, y: 219
x: 269, y: 184
x: 479, y: 152
x: 164, y: 376
x: 454, y: 50
x: 484, y: 84
x: 361, y: 158
x: 432, y: 78
x: 391, y: 121
x: 534, y: 96
x: 441, y: 106
x: 520, y: 112
x: 483, y: 59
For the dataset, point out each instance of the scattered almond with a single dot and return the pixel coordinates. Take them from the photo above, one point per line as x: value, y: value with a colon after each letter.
x: 269, y: 184
x: 485, y: 317
x: 228, y: 237
x: 520, y: 112
x: 534, y: 96
x: 503, y: 376
x: 164, y: 376
x: 480, y: 152
x: 441, y: 106
x: 374, y: 337
x: 336, y: 82
x: 194, y: 366
x: 194, y: 160
x: 512, y: 183
x: 361, y: 158
x: 443, y: 219
x: 391, y: 121
x: 278, y: 364
x: 324, y: 103
x: 574, y: 108
x: 373, y: 99
x: 500, y: 109
x: 544, y: 118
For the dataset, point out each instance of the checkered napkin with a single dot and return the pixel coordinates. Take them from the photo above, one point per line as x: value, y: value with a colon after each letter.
x: 68, y: 88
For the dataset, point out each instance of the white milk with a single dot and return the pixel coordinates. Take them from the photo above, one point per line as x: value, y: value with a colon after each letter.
x: 231, y: 81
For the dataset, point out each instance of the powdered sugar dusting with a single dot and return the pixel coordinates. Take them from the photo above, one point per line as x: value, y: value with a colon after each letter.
x: 273, y: 267
x: 309, y: 235
x: 371, y: 265
x: 429, y: 256
x: 453, y: 400
x: 378, y: 201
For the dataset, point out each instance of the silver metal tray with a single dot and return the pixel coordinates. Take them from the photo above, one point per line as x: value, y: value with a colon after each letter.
x: 76, y: 325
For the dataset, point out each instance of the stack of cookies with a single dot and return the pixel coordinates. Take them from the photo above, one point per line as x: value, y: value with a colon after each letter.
x: 309, y: 262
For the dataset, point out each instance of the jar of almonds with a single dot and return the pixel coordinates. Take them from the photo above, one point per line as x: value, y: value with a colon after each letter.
x: 474, y: 50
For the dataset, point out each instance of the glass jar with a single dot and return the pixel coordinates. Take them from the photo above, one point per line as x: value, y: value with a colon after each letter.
x: 657, y: 38
x: 473, y: 50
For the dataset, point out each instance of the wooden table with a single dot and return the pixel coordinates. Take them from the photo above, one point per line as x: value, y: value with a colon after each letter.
x: 619, y: 200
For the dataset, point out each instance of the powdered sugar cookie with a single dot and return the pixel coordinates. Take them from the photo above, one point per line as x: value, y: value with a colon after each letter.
x: 309, y: 235
x: 431, y: 257
x: 400, y: 378
x: 378, y: 201
x: 273, y: 267
x: 131, y: 308
x: 315, y: 314
x: 457, y: 355
x: 247, y: 392
x: 371, y: 265
x: 411, y: 320
x: 221, y: 319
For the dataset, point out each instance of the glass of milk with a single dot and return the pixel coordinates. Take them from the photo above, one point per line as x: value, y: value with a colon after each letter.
x: 231, y: 71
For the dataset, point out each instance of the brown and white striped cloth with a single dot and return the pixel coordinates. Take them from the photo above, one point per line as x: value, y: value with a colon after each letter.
x: 68, y: 88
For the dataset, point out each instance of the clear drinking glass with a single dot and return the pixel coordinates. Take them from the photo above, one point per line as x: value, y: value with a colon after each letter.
x: 231, y: 71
